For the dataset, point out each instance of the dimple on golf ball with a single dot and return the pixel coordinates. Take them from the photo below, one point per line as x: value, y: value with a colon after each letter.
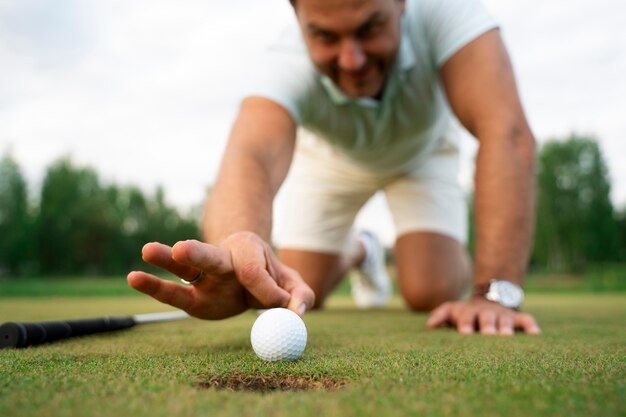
x: 278, y: 334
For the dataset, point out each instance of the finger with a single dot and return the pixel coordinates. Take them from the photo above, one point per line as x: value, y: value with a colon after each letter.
x: 487, y: 322
x: 167, y: 292
x: 202, y: 256
x: 466, y: 321
x: 302, y: 300
x: 250, y: 263
x: 439, y: 316
x: 506, y: 325
x: 527, y: 323
x: 302, y: 296
x: 160, y: 255
x: 258, y: 282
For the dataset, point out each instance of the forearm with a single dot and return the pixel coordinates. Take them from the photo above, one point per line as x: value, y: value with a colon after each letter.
x: 255, y: 163
x: 504, y: 205
x: 241, y: 201
x: 481, y: 90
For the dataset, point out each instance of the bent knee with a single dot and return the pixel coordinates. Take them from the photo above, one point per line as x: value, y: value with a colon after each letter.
x: 428, y: 300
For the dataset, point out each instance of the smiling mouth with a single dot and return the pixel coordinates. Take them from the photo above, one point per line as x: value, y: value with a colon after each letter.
x: 358, y: 75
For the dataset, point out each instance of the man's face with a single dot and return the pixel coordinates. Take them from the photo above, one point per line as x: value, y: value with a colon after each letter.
x: 353, y: 42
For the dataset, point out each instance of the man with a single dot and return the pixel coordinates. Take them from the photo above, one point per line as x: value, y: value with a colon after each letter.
x: 372, y: 84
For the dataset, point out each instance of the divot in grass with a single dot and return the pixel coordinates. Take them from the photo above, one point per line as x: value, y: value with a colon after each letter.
x: 271, y: 383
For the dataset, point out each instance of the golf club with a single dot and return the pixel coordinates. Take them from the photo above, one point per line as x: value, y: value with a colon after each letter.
x: 20, y: 335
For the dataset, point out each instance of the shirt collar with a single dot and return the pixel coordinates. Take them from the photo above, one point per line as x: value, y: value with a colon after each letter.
x: 404, y: 62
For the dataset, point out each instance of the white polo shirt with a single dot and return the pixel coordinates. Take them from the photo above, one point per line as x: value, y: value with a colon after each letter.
x: 411, y: 120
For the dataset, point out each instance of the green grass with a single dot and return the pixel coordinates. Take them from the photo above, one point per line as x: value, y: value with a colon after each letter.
x: 607, y: 278
x: 112, y: 286
x: 384, y: 363
x: 610, y: 277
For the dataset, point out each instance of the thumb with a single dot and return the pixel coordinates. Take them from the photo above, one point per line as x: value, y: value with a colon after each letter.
x: 302, y: 300
x: 302, y: 296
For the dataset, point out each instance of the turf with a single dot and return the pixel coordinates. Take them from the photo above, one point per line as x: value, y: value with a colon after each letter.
x: 356, y: 363
x: 601, y: 278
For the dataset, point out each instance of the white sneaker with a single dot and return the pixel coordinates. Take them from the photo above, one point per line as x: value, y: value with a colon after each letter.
x: 371, y: 286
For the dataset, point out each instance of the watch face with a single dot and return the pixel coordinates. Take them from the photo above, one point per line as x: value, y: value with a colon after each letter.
x: 508, y: 294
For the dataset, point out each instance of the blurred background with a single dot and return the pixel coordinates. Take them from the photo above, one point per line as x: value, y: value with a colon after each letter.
x: 114, y: 116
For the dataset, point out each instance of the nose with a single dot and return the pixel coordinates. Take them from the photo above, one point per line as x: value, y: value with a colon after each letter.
x: 351, y: 55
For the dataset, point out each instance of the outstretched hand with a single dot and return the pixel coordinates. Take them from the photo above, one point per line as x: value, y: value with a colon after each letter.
x: 484, y: 316
x: 241, y: 273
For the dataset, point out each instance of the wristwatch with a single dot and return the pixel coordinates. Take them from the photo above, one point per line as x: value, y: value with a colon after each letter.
x: 503, y: 292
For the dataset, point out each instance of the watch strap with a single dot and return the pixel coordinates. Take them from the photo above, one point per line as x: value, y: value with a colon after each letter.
x: 480, y: 290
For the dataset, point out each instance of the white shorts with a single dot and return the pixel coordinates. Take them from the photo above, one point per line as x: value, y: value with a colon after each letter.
x: 324, y: 192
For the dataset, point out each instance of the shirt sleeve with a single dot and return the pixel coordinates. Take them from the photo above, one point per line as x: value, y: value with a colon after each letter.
x: 284, y: 74
x: 449, y: 25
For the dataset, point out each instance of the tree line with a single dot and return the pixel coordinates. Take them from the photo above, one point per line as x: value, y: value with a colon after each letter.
x: 576, y: 224
x: 78, y: 225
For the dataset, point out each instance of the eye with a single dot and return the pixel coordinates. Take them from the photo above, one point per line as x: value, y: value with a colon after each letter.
x: 325, y: 37
x: 369, y: 30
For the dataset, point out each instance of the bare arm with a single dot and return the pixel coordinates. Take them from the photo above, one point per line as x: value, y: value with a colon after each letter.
x: 481, y: 89
x: 254, y: 166
x: 240, y: 269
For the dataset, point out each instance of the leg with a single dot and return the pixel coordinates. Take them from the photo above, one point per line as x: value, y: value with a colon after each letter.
x: 322, y: 271
x: 315, y: 212
x: 430, y: 213
x: 432, y: 268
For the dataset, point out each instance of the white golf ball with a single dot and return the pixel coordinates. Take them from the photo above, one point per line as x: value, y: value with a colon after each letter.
x: 278, y: 335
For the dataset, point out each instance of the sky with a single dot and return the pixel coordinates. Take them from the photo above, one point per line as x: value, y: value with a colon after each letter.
x: 145, y: 91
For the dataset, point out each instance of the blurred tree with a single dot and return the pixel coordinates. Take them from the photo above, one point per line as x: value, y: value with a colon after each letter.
x: 81, y: 226
x: 622, y: 231
x: 132, y: 211
x: 146, y: 219
x: 76, y: 226
x: 165, y: 224
x: 87, y: 228
x: 16, y: 252
x: 575, y: 218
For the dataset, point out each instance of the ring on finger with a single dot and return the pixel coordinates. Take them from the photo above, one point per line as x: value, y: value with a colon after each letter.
x: 196, y: 280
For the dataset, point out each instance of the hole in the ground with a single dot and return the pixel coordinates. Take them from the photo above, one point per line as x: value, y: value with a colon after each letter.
x: 269, y: 383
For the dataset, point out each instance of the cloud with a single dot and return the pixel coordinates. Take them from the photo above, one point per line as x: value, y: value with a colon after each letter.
x: 45, y: 33
x: 151, y: 99
x: 145, y: 91
x: 569, y: 60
